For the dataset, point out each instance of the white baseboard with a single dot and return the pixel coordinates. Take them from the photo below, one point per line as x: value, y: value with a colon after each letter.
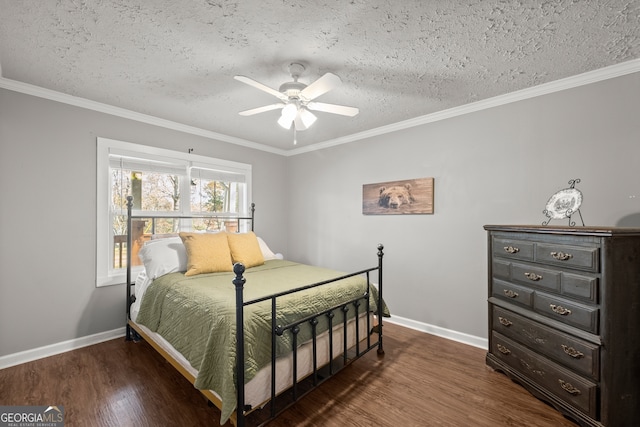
x: 62, y: 347
x: 53, y: 349
x: 440, y: 332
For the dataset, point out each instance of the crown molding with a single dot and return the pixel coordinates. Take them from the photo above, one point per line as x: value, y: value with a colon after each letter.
x: 53, y: 95
x: 589, y: 77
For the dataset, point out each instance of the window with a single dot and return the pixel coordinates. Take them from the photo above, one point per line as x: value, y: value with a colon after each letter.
x: 163, y: 183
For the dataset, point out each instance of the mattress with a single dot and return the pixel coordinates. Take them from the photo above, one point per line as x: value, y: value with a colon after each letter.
x: 258, y: 390
x: 186, y: 294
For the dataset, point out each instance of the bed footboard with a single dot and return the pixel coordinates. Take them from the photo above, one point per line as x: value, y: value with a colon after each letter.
x: 333, y: 314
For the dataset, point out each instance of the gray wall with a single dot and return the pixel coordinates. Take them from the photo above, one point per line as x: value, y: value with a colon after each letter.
x: 497, y: 166
x: 48, y: 215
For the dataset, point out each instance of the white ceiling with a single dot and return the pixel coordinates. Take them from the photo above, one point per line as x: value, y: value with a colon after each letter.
x: 398, y: 59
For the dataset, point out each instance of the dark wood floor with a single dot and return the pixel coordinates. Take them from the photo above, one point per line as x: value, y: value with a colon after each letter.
x: 422, y: 380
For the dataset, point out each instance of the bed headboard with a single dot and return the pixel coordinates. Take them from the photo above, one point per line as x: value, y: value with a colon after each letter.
x: 136, y: 236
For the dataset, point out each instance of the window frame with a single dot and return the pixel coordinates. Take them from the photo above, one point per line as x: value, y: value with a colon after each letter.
x: 105, y: 274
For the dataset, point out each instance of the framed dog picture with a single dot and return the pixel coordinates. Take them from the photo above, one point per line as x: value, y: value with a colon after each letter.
x: 411, y: 196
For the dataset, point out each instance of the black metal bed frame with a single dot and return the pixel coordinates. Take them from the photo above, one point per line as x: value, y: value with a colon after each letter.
x: 319, y: 374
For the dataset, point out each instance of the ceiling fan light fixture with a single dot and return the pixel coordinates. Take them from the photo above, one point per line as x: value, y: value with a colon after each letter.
x: 297, y: 99
x: 288, y: 115
x: 306, y: 117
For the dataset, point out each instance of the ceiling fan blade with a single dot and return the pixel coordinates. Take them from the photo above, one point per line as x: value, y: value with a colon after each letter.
x: 261, y: 109
x: 333, y: 108
x: 262, y: 87
x: 323, y: 85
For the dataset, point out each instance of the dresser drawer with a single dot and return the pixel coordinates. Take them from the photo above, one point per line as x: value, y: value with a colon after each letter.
x: 578, y: 315
x: 511, y: 292
x: 513, y: 249
x: 536, y: 276
x: 580, y: 286
x: 572, y: 352
x: 583, y: 286
x: 575, y: 390
x: 569, y: 256
x: 501, y: 269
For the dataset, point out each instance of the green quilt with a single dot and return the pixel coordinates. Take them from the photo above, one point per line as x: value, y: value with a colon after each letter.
x: 197, y: 316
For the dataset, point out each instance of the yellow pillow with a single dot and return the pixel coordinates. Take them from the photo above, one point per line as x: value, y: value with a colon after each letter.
x: 245, y: 249
x: 206, y: 253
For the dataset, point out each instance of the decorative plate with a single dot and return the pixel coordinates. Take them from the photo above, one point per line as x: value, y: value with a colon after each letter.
x: 564, y: 203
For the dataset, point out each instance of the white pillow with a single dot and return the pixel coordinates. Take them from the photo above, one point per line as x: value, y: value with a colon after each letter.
x: 163, y: 256
x: 266, y: 252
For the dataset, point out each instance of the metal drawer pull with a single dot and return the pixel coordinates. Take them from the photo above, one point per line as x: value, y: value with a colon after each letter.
x: 504, y: 350
x: 533, y: 276
x: 572, y: 352
x: 511, y: 249
x: 569, y: 388
x: 560, y: 309
x: 561, y: 256
x: 504, y: 321
x: 510, y: 293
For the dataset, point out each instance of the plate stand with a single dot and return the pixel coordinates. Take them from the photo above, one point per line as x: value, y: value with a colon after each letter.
x: 569, y: 214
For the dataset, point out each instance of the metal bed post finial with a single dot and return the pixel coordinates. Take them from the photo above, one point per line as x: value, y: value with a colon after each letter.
x: 379, y: 302
x: 239, y: 281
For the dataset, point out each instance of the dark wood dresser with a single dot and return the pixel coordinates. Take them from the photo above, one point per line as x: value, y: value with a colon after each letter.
x: 564, y: 317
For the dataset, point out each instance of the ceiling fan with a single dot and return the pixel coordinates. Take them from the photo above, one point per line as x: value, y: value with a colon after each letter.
x: 296, y: 99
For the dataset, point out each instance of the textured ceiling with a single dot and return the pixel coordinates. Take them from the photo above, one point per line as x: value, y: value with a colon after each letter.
x: 398, y: 59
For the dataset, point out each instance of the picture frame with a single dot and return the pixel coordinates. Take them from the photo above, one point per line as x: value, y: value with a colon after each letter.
x: 404, y: 197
